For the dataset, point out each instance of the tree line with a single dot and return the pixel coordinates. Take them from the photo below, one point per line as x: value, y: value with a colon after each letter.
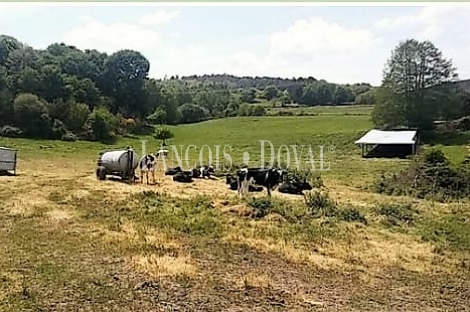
x: 63, y: 92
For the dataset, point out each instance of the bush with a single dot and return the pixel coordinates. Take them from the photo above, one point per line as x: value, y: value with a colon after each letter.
x: 396, y: 213
x: 261, y: 206
x: 191, y: 113
x: 10, y: 132
x: 58, y: 129
x: 313, y: 177
x: 429, y: 176
x: 77, y: 116
x: 102, y: 124
x: 319, y: 203
x: 31, y: 115
x: 69, y: 137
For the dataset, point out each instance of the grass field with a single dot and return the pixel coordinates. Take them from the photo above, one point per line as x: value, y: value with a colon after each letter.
x: 71, y: 242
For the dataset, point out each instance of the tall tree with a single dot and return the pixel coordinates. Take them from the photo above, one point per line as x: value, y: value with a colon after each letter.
x: 414, y: 79
x: 125, y: 74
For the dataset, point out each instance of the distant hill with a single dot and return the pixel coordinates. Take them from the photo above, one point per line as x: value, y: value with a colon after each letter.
x: 260, y: 83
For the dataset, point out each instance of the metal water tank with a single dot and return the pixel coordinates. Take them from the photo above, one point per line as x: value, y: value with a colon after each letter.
x: 119, y: 160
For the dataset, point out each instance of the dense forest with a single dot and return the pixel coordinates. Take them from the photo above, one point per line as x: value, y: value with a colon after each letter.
x: 66, y: 93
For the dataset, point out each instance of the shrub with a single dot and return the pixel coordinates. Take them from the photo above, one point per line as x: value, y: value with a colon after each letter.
x: 10, y: 131
x: 396, y: 213
x: 77, y: 116
x: 261, y: 206
x: 319, y: 203
x: 58, y: 129
x: 103, y: 124
x: 69, y: 137
x: 429, y: 176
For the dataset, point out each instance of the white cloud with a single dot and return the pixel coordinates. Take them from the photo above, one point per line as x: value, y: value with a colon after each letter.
x: 318, y: 35
x: 431, y: 22
x: 158, y: 18
x: 445, y: 26
x: 112, y: 37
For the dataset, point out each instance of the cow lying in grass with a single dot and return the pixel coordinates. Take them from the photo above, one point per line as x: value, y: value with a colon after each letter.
x: 232, y: 183
x: 173, y: 171
x: 203, y: 172
x: 183, y: 177
x: 268, y: 178
x: 294, y: 187
x: 187, y: 176
x: 146, y: 166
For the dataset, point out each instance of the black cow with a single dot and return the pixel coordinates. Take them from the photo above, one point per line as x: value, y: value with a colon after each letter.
x: 183, y: 177
x: 268, y: 178
x: 294, y: 187
x: 173, y: 171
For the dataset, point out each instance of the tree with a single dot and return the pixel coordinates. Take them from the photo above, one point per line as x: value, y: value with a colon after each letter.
x: 125, y: 73
x: 77, y: 116
x: 248, y: 95
x: 412, y: 81
x: 192, y: 113
x: 158, y: 117
x: 368, y: 97
x: 270, y: 92
x: 103, y: 124
x: 31, y: 115
x: 163, y: 134
x: 342, y: 95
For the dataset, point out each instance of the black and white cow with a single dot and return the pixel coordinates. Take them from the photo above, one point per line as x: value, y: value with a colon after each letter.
x: 232, y: 183
x: 203, y: 172
x: 267, y: 178
x: 146, y: 166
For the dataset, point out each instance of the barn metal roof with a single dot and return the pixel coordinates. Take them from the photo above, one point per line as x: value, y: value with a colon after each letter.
x: 388, y: 137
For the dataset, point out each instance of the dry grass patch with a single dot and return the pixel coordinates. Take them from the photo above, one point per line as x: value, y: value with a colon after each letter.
x: 253, y: 280
x: 240, y: 210
x: 290, y: 252
x: 159, y: 266
x: 59, y: 215
x: 378, y: 250
x: 25, y: 204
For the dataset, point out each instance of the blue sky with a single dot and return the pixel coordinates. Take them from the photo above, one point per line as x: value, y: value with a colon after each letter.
x: 339, y: 44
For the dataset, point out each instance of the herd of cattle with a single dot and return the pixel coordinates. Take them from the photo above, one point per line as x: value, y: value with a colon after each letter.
x: 243, y: 180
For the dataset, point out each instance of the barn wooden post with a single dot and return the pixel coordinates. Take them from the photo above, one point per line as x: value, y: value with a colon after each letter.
x: 14, y: 168
x: 362, y: 153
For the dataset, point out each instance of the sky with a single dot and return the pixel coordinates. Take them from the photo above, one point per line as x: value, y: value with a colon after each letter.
x: 338, y: 44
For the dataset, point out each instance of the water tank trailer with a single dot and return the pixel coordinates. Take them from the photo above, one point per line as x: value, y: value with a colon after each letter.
x: 121, y: 163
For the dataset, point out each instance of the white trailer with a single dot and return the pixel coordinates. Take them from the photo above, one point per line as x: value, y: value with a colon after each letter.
x: 120, y: 163
x: 8, y: 158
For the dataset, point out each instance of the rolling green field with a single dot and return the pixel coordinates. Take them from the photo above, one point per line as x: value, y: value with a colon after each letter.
x: 71, y: 242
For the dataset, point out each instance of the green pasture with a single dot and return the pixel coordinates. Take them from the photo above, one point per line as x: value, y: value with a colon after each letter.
x: 336, y: 133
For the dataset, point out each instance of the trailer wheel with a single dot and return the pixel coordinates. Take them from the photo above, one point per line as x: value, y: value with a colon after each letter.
x: 101, y: 173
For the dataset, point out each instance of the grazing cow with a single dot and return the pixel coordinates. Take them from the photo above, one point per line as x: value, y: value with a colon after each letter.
x: 147, y: 165
x: 294, y: 187
x: 173, y: 171
x: 183, y: 177
x: 232, y: 183
x: 268, y: 178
